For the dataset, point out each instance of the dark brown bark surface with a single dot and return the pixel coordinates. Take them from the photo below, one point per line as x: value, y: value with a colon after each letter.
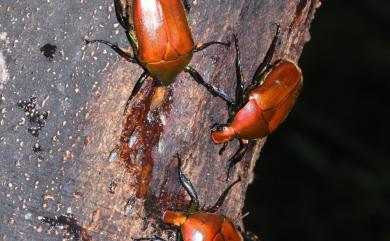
x: 84, y: 90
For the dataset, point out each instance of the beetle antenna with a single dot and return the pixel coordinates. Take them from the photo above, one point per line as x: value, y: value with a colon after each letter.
x: 186, y: 183
x: 223, y: 196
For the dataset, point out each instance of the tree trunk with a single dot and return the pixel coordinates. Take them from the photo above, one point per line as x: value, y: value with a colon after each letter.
x: 84, y: 90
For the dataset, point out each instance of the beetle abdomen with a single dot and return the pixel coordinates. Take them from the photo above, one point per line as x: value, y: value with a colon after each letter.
x: 178, y: 32
x: 150, y: 30
x: 164, y: 38
x: 279, y: 92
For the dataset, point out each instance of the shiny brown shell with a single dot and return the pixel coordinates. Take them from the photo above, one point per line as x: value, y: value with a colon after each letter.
x: 267, y: 106
x: 164, y: 37
x: 203, y: 226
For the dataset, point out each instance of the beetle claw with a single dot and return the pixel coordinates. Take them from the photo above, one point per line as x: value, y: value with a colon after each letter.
x: 223, y: 148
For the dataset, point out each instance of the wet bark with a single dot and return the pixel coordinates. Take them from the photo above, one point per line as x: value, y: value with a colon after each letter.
x: 69, y: 168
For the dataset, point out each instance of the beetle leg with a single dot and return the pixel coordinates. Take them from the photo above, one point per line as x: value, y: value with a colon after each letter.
x: 200, y: 47
x: 239, y: 77
x: 223, y: 196
x: 265, y: 65
x: 136, y: 88
x: 237, y: 157
x: 133, y: 43
x: 116, y: 48
x: 186, y: 183
x: 223, y: 148
x: 123, y: 20
x: 213, y: 90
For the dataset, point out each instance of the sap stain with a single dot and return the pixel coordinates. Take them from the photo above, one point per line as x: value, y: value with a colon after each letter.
x: 141, y: 131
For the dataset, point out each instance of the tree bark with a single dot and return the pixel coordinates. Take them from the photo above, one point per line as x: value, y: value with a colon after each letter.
x: 84, y: 90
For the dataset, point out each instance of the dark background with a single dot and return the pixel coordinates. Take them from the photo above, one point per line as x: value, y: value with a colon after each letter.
x: 325, y: 174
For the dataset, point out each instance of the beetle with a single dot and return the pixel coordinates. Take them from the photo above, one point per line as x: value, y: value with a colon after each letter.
x: 161, y: 41
x: 202, y: 225
x: 262, y: 106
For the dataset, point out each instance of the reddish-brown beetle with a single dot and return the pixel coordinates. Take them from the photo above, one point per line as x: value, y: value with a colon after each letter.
x: 198, y: 225
x: 261, y: 107
x: 161, y: 42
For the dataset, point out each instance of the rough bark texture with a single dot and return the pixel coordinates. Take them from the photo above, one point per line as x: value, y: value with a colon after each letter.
x: 84, y: 90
